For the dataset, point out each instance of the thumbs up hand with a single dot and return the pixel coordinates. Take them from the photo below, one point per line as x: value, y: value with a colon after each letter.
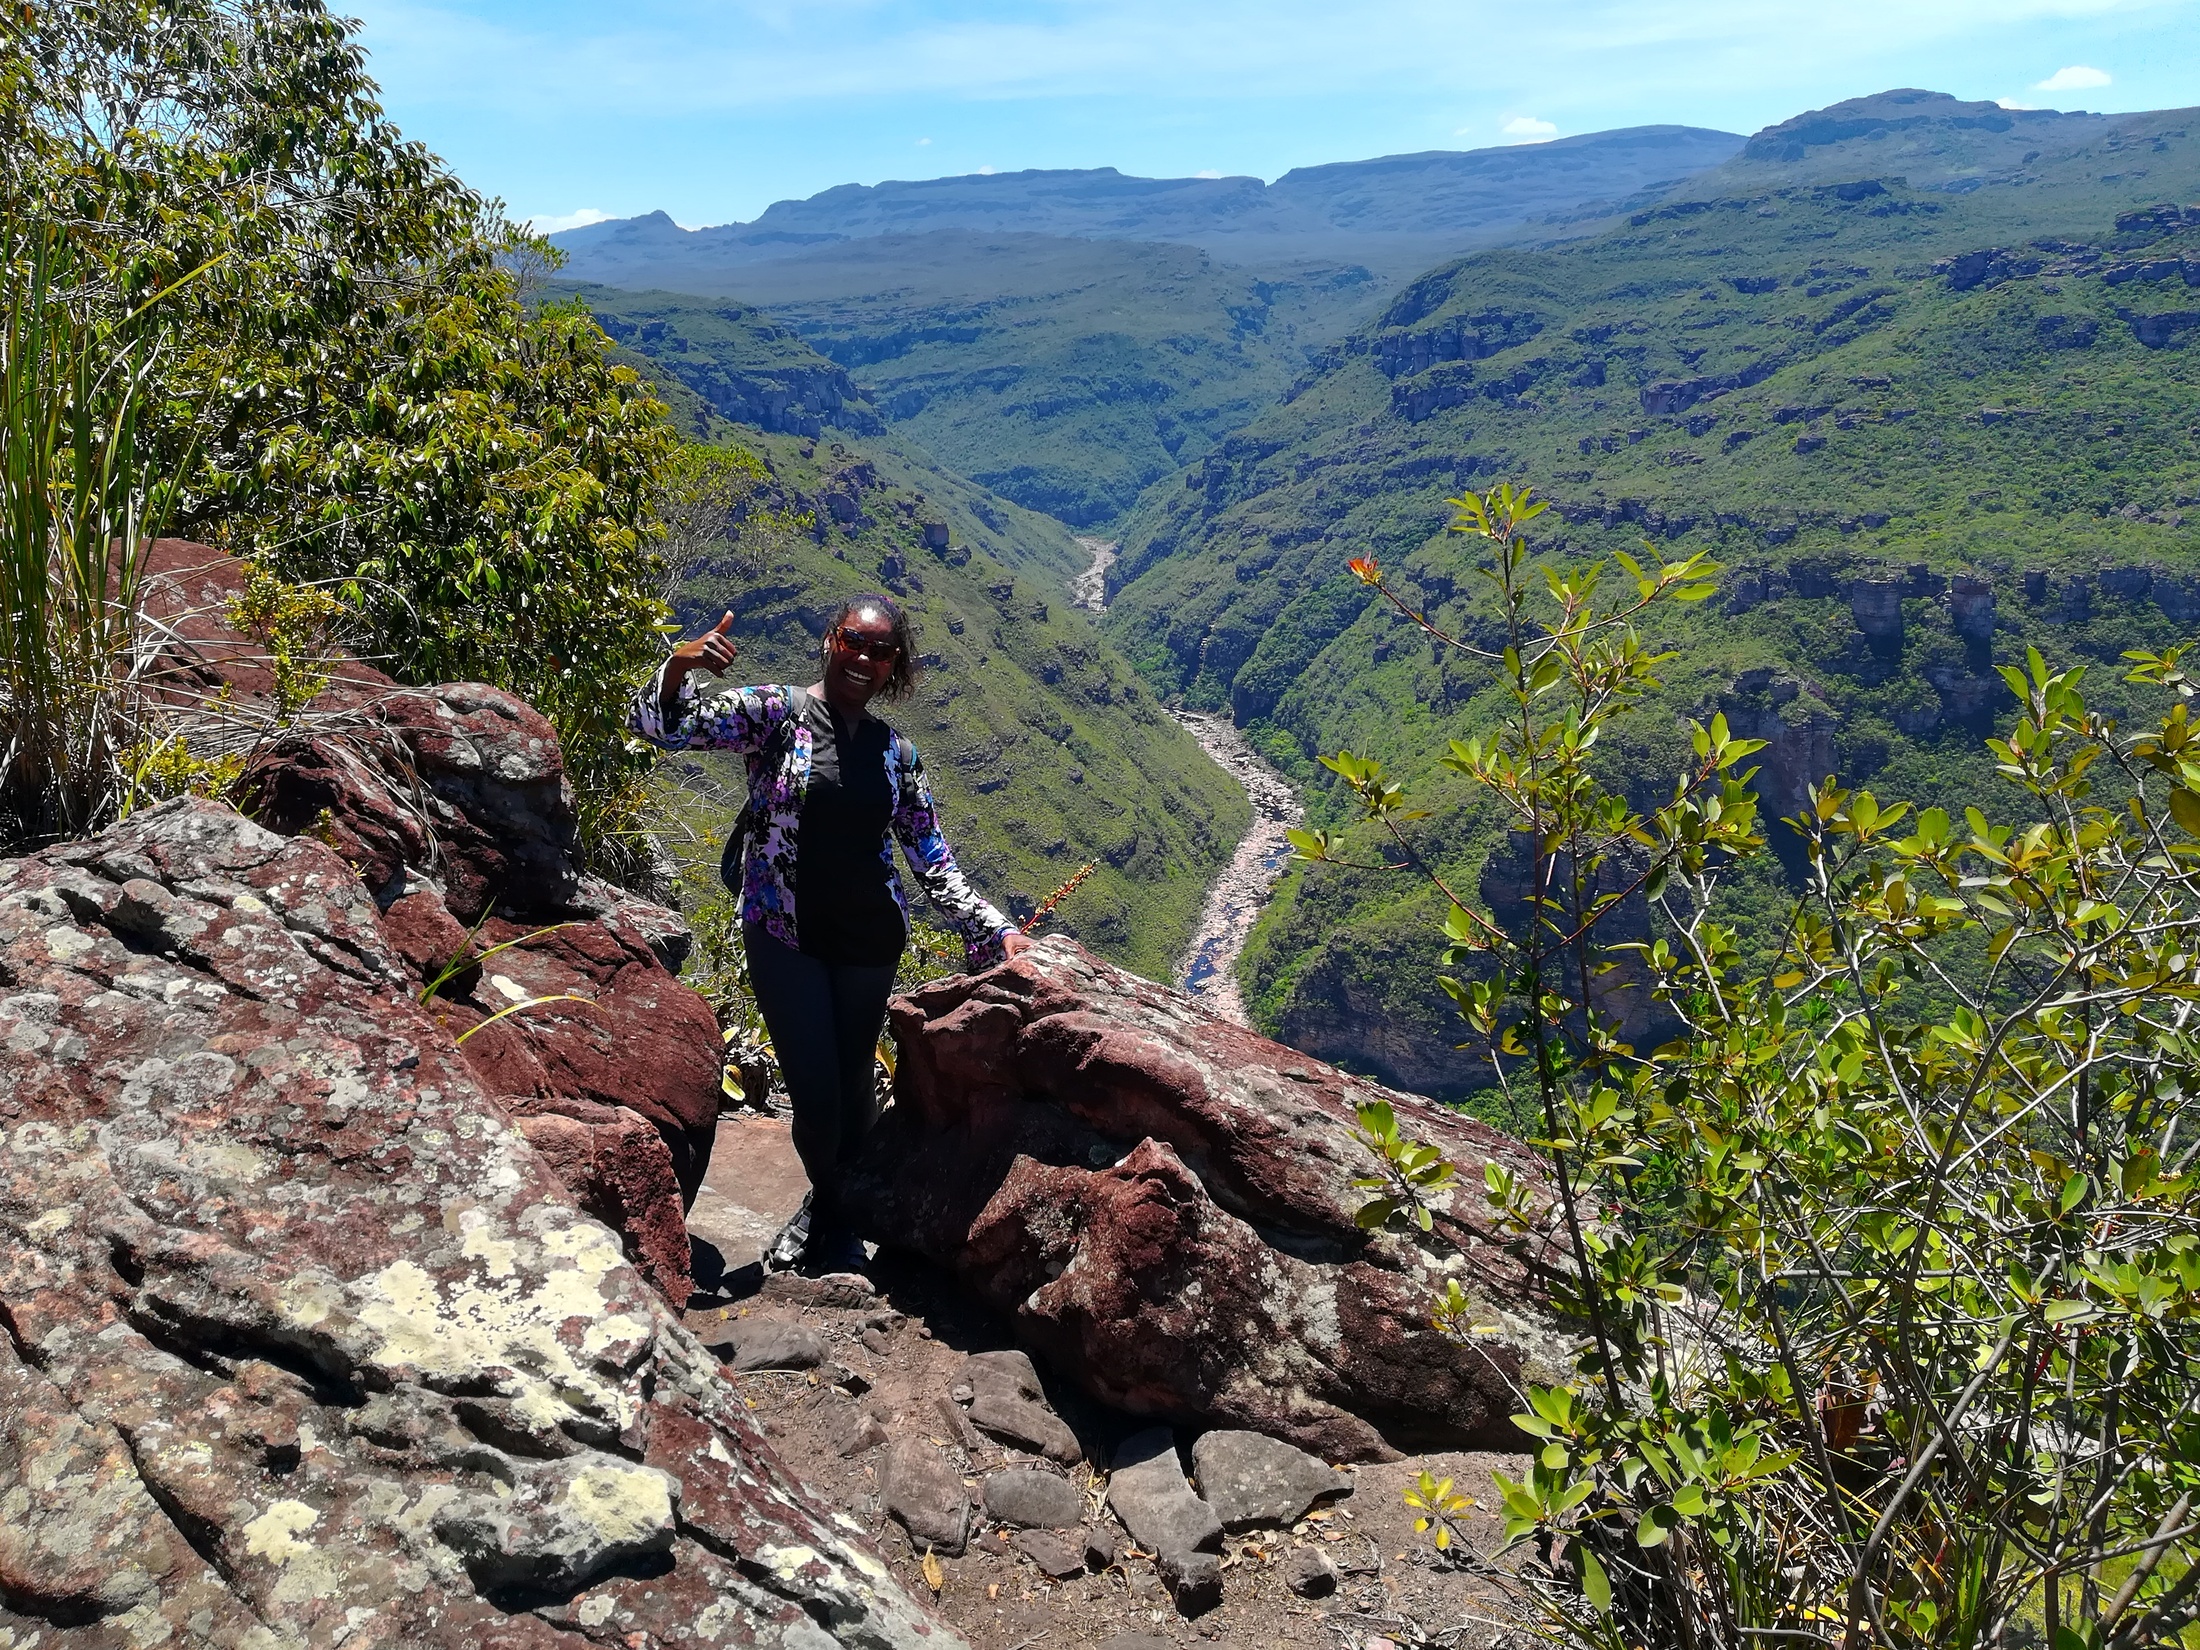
x: 712, y: 651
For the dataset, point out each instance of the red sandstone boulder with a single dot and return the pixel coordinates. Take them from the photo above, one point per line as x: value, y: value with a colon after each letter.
x: 618, y: 1170
x: 1162, y: 1202
x: 304, y: 1343
x: 609, y: 1024
x: 452, y: 804
x: 184, y: 597
x: 463, y: 781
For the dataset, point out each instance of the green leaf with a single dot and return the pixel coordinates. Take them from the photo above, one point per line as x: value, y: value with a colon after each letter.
x: 1596, y: 1587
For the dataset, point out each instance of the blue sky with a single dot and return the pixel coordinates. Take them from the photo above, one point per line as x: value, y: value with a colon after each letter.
x: 712, y: 109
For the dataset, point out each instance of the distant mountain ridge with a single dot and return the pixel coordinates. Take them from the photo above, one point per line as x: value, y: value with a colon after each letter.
x: 1069, y: 337
x: 1934, y: 140
x: 1452, y: 197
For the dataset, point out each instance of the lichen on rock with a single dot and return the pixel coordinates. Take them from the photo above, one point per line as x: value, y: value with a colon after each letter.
x: 304, y: 1343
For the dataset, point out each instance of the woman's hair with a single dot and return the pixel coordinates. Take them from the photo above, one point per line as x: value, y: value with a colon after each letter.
x: 901, y: 681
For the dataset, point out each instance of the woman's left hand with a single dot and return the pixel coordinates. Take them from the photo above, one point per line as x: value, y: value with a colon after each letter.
x: 1014, y: 943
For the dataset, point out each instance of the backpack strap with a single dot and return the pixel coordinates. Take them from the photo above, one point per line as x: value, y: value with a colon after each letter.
x: 768, y: 760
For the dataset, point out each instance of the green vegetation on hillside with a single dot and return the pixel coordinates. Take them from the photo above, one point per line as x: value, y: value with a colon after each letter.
x: 1906, y: 471
x: 732, y: 359
x: 1065, y: 375
x: 1044, y: 748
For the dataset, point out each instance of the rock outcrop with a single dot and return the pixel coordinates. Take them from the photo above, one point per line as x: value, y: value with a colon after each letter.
x: 304, y: 1344
x: 452, y: 806
x: 1162, y: 1202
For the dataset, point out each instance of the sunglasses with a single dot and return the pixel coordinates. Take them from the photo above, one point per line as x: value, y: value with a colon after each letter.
x: 864, y: 647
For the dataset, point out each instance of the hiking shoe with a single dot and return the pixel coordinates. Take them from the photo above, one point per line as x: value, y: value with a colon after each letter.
x: 787, y: 1248
x: 829, y: 1252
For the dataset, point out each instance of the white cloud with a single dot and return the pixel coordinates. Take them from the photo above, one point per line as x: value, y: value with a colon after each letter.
x: 1209, y: 175
x: 1528, y: 129
x: 2012, y: 103
x: 985, y: 171
x: 924, y: 143
x: 2076, y: 78
x: 551, y: 225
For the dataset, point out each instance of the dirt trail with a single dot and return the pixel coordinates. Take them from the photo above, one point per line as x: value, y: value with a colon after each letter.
x: 1209, y: 969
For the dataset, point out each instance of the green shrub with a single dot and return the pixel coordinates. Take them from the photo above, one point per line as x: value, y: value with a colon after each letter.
x: 377, y: 403
x: 80, y: 501
x: 1887, y: 1264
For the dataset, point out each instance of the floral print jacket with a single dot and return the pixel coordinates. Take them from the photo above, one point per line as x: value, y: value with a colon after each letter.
x: 744, y: 721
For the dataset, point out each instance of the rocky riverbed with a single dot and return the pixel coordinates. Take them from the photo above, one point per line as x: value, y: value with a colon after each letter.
x: 1089, y: 590
x: 1209, y: 969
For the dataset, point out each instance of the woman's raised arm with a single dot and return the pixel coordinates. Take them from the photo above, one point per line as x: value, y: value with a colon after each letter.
x: 666, y: 713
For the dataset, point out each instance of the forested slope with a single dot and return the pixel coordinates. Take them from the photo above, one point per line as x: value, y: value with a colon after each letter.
x: 1067, y: 375
x: 1922, y: 423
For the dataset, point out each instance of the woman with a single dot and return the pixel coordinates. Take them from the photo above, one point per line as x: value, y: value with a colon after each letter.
x: 839, y: 781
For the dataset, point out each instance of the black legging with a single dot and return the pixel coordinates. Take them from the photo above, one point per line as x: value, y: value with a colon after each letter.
x: 825, y: 1020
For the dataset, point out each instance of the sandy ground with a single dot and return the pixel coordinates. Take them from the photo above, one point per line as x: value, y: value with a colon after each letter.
x: 894, y: 1352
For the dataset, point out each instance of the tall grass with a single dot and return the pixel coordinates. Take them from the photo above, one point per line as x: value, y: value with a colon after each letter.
x: 79, y: 507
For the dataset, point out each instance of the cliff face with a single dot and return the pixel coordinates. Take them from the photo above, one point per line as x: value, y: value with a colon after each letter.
x: 744, y: 367
x: 1919, y: 423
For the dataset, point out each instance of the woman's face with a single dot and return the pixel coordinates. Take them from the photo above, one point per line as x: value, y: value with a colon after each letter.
x: 861, y: 658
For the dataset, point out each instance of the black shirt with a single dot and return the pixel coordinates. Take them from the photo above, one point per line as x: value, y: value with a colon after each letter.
x: 844, y: 908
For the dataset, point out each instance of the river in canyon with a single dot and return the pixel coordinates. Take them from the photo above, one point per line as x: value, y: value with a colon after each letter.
x: 1237, y: 896
x: 1235, y: 901
x: 1089, y: 589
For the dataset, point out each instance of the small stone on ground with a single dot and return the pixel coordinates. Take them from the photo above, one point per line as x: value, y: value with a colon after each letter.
x: 863, y: 1433
x: 1033, y: 1500
x: 1023, y: 1423
x: 1051, y: 1553
x: 841, y: 1291
x: 922, y: 1492
x: 766, y: 1343
x: 1252, y: 1480
x: 1006, y: 1372
x: 1148, y: 1493
x: 1308, y: 1573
